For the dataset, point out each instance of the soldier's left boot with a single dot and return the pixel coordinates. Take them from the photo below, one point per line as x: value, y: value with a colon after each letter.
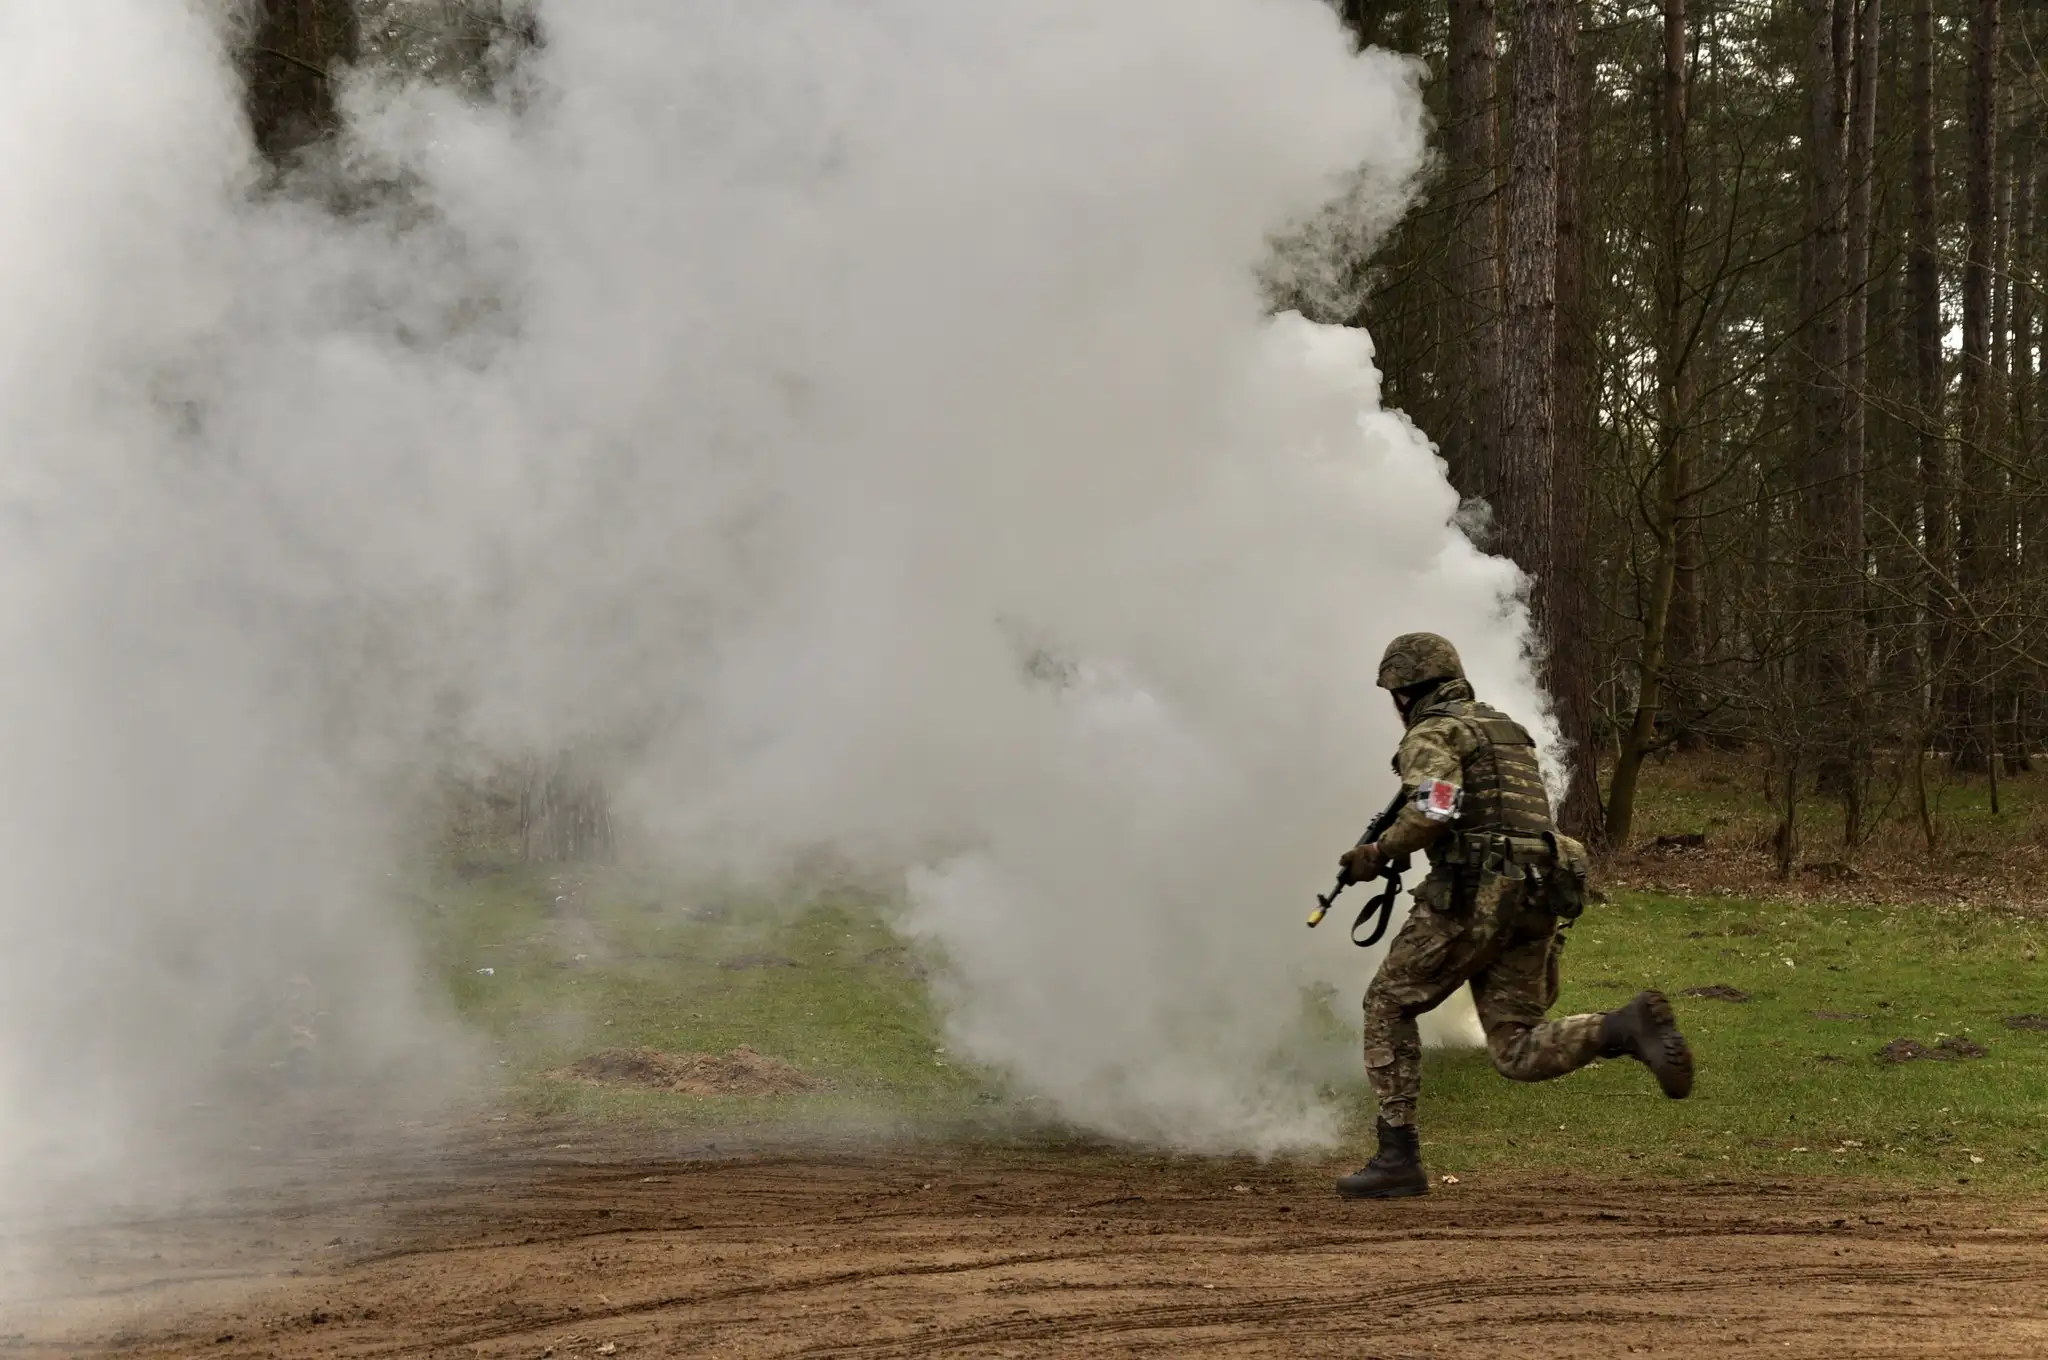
x: 1646, y: 1030
x: 1395, y: 1172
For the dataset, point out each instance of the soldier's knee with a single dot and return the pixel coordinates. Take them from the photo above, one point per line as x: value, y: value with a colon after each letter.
x: 1391, y: 1015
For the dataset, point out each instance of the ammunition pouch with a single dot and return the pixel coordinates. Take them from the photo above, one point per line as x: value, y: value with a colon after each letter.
x: 1566, y: 884
x: 1551, y: 868
x: 1497, y: 849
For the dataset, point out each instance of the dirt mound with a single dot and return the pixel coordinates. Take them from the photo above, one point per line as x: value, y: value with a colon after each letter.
x: 897, y: 959
x: 742, y: 1072
x: 741, y: 963
x: 2035, y: 1022
x: 1717, y: 992
x: 1911, y: 1050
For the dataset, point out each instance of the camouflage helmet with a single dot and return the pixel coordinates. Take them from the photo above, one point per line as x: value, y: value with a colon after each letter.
x: 1417, y: 659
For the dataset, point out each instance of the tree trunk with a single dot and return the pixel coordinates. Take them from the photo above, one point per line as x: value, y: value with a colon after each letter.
x: 1786, y: 842
x: 1472, y: 146
x: 1975, y: 520
x: 1529, y: 367
x: 1675, y: 402
x: 564, y: 812
x: 1937, y: 499
x: 295, y: 51
x: 2027, y: 525
x: 2020, y: 369
x: 1685, y: 648
x: 1832, y: 495
x: 1635, y: 743
x: 2000, y: 509
x: 1862, y: 141
x: 1857, y: 221
x: 1531, y: 453
x: 2002, y: 173
x: 1569, y: 661
x: 1363, y: 18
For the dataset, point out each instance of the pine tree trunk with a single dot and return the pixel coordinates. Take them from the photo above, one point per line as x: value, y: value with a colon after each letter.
x: 1685, y: 643
x: 1999, y: 510
x: 1862, y: 148
x: 1534, y: 461
x: 1529, y: 364
x: 1975, y: 521
x: 1937, y: 496
x: 1857, y: 221
x: 1363, y: 18
x: 564, y: 812
x: 295, y: 52
x: 2021, y: 421
x: 1568, y: 670
x: 2020, y: 368
x: 2003, y: 170
x: 1472, y: 147
x: 1675, y: 403
x: 1829, y: 503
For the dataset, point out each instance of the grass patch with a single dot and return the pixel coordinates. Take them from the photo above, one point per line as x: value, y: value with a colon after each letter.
x: 1789, y: 1082
x: 1980, y: 857
x: 1723, y: 795
x: 594, y: 959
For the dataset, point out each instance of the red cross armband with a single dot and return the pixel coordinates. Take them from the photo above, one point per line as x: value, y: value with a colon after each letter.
x: 1437, y: 800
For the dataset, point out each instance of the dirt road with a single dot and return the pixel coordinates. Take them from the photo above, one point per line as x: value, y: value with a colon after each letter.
x: 1044, y: 1254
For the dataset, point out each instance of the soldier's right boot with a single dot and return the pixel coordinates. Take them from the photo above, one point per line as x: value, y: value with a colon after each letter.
x: 1646, y: 1030
x: 1395, y: 1172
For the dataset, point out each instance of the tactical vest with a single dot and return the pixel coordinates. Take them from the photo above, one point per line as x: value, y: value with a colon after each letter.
x: 1503, y: 783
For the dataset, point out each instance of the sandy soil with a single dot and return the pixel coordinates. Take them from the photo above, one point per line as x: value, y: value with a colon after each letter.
x: 562, y: 1252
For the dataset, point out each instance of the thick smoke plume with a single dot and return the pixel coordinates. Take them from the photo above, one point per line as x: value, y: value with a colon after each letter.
x: 861, y: 419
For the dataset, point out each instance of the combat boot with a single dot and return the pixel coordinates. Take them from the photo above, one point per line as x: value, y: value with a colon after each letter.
x: 1646, y: 1030
x: 1395, y: 1172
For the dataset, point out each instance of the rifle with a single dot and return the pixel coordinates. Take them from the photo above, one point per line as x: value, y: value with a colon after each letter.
x: 1381, y: 905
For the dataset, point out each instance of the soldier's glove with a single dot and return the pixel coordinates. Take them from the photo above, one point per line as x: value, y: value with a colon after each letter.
x: 1361, y: 864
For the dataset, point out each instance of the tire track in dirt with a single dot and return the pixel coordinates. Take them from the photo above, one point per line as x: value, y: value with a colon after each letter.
x: 1406, y: 1297
x: 1381, y: 1305
x: 767, y: 1289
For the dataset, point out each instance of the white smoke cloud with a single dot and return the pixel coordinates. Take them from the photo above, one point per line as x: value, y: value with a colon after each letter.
x: 757, y: 401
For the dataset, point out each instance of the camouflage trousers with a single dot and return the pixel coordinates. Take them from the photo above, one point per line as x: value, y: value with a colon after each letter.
x: 1509, y: 953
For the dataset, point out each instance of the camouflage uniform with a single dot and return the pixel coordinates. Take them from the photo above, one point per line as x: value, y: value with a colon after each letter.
x: 1499, y: 877
x: 1481, y: 915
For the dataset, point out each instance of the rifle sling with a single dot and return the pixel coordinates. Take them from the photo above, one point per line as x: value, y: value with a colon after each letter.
x: 1381, y: 906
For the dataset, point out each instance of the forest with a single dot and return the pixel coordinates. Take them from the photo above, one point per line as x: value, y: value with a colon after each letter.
x: 1726, y: 319
x: 1731, y: 314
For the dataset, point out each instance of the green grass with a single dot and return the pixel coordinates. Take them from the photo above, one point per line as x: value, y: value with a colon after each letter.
x: 849, y: 1005
x: 1782, y: 1093
x: 586, y: 959
x: 1723, y: 795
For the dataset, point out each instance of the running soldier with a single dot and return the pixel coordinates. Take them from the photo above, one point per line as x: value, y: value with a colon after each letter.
x: 1500, y: 879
